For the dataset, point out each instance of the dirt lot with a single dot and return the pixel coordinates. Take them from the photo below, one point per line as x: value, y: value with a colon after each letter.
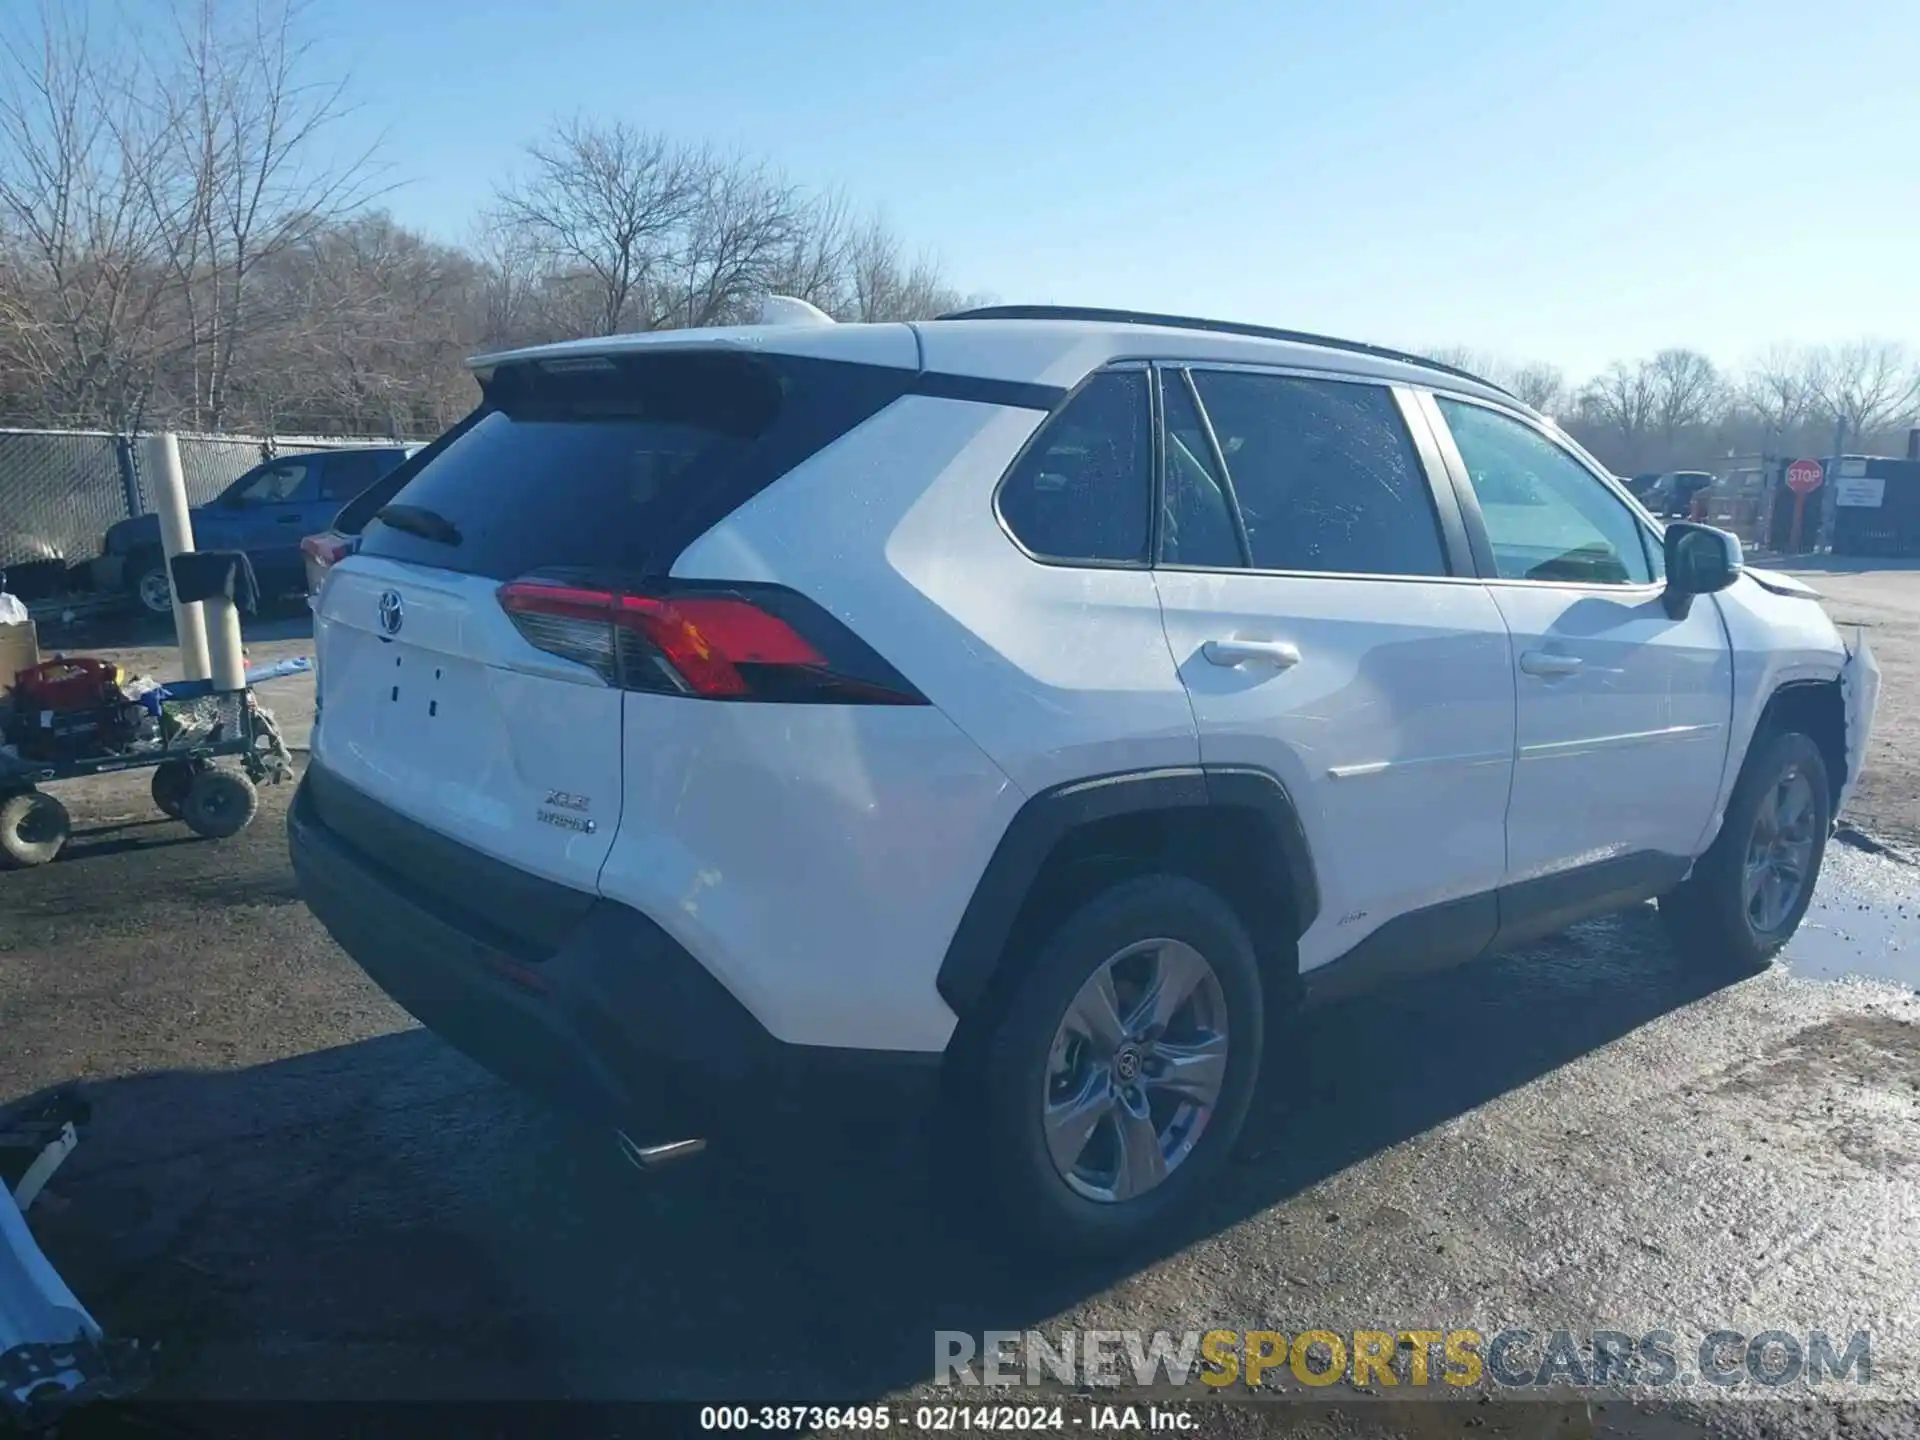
x: 1884, y: 601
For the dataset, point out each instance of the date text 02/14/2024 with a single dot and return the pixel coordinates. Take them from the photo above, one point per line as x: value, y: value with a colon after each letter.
x: 945, y: 1419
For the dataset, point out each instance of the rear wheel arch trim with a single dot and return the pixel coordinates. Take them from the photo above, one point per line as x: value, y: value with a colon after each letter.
x: 975, y: 954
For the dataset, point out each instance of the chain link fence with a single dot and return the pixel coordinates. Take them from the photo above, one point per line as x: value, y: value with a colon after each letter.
x: 61, y: 489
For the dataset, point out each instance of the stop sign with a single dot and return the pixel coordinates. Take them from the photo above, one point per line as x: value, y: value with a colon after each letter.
x: 1804, y: 476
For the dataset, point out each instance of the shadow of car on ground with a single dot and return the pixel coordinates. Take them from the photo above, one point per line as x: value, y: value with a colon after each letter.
x: 385, y: 1219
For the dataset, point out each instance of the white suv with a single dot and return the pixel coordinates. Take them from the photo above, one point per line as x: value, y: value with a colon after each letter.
x: 1017, y: 707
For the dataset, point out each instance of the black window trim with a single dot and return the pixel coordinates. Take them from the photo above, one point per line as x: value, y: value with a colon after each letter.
x: 1454, y: 552
x: 1155, y: 462
x: 1219, y: 458
x: 1469, y: 502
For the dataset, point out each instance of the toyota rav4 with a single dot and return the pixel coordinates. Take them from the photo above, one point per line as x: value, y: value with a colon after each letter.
x: 1022, y: 708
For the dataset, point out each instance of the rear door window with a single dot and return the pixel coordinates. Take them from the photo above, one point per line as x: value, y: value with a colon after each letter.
x: 345, y: 473
x: 1196, y: 523
x: 1325, y: 474
x: 1082, y: 489
x: 615, y: 464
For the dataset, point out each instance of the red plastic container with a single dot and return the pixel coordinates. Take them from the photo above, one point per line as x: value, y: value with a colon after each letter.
x: 78, y: 684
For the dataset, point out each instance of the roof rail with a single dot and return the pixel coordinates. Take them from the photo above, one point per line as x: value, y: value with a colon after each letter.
x: 1224, y: 327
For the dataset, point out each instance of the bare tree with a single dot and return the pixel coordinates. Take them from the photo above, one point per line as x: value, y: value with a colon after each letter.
x: 1685, y: 391
x: 1536, y: 383
x: 81, y: 312
x: 1532, y: 382
x: 1870, y: 384
x: 818, y: 264
x: 1620, y: 400
x: 606, y: 200
x: 1460, y: 357
x: 742, y: 221
x: 514, y: 275
x: 386, y: 320
x: 248, y: 144
x: 1779, y: 387
x: 144, y: 179
x: 887, y: 286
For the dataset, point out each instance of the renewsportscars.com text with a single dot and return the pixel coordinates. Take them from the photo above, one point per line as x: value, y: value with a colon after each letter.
x: 1463, y: 1358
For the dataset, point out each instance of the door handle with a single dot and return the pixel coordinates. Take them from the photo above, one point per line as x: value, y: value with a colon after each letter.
x: 1277, y: 653
x: 1548, y: 665
x: 288, y: 520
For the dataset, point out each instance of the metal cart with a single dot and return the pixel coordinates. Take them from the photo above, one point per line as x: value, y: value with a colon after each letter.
x: 194, y: 727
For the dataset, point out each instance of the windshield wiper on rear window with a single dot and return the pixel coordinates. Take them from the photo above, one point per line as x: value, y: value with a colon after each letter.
x: 417, y: 520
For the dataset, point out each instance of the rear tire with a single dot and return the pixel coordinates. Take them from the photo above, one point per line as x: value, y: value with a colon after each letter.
x: 149, y: 583
x: 1091, y: 1145
x: 220, y: 803
x: 33, y: 829
x: 1747, y: 894
x: 172, y: 779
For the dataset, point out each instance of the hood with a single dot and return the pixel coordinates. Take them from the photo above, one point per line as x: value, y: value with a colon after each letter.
x: 1782, y: 584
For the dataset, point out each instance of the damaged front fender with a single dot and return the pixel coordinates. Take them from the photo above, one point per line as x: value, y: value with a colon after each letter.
x: 1860, y: 696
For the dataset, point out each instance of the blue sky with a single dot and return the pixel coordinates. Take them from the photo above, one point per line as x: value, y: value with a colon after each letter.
x: 1557, y: 181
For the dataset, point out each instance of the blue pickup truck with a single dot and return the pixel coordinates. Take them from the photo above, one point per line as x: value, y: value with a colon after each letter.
x: 266, y: 512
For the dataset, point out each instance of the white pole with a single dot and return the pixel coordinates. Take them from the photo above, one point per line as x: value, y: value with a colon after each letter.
x: 169, y: 494
x: 228, y: 659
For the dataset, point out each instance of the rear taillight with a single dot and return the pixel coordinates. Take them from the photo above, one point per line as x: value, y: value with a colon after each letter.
x: 326, y: 550
x: 712, y: 642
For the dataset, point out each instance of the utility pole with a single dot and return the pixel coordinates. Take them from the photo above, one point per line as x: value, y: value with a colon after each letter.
x: 1833, y: 485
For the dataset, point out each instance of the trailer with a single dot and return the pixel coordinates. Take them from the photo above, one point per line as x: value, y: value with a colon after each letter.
x: 184, y: 727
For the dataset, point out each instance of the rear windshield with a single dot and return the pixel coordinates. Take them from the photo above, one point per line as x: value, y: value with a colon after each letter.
x: 598, y: 464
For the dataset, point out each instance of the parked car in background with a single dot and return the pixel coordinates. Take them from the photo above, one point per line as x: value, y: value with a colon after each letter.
x: 265, y: 513
x: 320, y: 552
x: 1669, y: 494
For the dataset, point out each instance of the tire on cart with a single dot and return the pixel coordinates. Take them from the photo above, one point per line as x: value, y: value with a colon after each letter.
x: 33, y: 828
x: 220, y: 803
x: 172, y: 779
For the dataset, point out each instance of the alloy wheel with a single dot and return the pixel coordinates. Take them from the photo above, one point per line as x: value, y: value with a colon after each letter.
x: 1135, y: 1071
x: 1780, y: 852
x: 156, y: 593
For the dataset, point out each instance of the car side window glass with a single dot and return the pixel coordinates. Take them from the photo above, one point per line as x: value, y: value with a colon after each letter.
x: 274, y: 484
x: 1196, y: 527
x: 345, y: 475
x: 1547, y: 517
x: 1325, y: 473
x: 1081, y: 490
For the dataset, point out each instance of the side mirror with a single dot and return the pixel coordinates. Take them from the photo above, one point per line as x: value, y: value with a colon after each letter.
x: 1700, y: 560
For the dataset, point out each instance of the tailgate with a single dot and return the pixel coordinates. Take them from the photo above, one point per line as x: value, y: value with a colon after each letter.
x: 434, y: 705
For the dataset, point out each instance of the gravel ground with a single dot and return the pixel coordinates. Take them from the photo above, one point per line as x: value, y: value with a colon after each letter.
x: 301, y: 1194
x: 1884, y: 601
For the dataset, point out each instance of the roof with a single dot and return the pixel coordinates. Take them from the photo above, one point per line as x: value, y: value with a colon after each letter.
x: 1052, y: 345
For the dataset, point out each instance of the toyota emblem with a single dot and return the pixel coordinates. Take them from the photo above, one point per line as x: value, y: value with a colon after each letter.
x: 392, y: 613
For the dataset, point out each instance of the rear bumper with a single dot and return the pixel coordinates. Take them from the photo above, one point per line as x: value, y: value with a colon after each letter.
x: 619, y: 1024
